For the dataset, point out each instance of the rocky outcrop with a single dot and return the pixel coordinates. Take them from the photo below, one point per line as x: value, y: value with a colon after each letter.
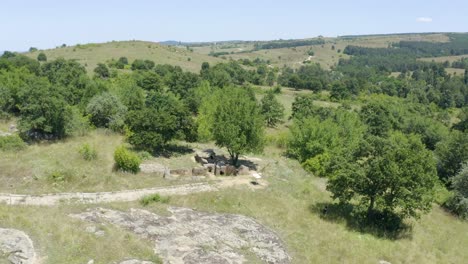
x: 17, y: 247
x: 189, y: 236
x: 136, y: 261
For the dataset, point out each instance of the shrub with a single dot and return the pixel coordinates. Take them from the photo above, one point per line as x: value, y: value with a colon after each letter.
x: 11, y: 143
x: 60, y: 176
x: 153, y: 198
x: 127, y: 160
x: 318, y: 164
x: 88, y: 152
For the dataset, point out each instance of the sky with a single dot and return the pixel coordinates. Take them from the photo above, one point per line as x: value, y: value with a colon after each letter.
x: 50, y: 23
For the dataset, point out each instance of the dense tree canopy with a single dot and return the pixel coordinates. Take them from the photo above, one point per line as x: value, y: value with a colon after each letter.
x: 395, y: 174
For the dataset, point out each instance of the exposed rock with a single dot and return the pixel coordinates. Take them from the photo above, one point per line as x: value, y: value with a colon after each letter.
x: 136, y: 261
x: 199, y: 171
x: 189, y: 236
x: 182, y: 172
x: 384, y: 262
x: 210, y: 167
x: 95, y: 230
x: 230, y: 170
x: 91, y: 261
x: 17, y: 247
x: 243, y: 170
x: 152, y: 168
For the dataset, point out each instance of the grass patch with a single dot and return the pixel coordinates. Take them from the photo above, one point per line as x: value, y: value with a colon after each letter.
x: 153, y: 198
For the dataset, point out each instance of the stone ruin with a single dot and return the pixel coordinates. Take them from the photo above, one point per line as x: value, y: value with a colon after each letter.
x: 209, y: 164
x: 218, y: 165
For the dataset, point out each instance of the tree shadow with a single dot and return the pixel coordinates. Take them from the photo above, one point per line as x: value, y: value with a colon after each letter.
x: 222, y: 159
x: 172, y: 150
x: 382, y: 224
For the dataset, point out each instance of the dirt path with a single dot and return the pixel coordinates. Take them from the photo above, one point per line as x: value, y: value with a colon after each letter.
x: 102, y: 197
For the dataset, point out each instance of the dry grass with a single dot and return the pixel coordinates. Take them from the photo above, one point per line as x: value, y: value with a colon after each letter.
x: 90, y: 55
x: 60, y: 239
x: 286, y: 206
x: 31, y: 170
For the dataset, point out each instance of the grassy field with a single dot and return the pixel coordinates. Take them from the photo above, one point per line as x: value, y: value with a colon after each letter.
x: 90, y: 55
x: 290, y: 205
x: 59, y: 238
x: 58, y: 167
x: 324, y: 54
x: 444, y: 59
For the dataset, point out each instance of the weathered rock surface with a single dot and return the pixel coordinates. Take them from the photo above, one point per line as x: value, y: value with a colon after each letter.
x: 17, y: 247
x: 152, y: 168
x: 189, y: 236
x: 135, y: 261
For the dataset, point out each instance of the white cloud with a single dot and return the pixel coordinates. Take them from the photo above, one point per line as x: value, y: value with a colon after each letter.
x: 424, y: 19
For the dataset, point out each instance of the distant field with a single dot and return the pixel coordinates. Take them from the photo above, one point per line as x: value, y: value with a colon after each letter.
x: 324, y: 54
x: 444, y: 59
x: 90, y: 55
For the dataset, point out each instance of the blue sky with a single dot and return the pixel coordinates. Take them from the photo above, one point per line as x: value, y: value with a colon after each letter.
x: 49, y: 23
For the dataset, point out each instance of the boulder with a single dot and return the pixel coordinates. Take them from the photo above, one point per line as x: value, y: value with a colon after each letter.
x: 17, y: 247
x: 210, y: 167
x: 199, y: 171
x: 243, y: 170
x: 136, y: 261
x: 230, y: 170
x: 181, y: 172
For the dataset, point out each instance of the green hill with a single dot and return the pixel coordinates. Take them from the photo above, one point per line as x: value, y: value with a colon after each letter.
x: 90, y: 55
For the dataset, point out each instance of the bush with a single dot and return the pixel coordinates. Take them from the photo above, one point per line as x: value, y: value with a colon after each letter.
x: 153, y: 198
x: 88, y: 152
x: 11, y: 143
x: 127, y: 160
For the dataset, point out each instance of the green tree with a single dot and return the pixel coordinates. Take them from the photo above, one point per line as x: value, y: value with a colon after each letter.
x: 107, y: 110
x: 42, y: 57
x: 43, y: 110
x: 238, y: 125
x: 271, y: 109
x: 101, y: 71
x: 451, y: 153
x: 164, y: 118
x: 394, y: 175
x: 458, y: 203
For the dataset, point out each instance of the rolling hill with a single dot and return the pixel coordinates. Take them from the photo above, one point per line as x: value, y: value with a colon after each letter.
x: 90, y: 55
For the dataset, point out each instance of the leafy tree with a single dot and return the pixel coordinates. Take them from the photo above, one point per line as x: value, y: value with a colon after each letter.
x: 107, y: 110
x: 70, y: 76
x: 42, y: 57
x: 393, y: 175
x: 149, y: 80
x: 271, y: 109
x: 164, y: 118
x: 379, y: 117
x: 238, y: 125
x: 451, y: 153
x: 32, y: 49
x: 142, y: 65
x: 42, y: 110
x: 123, y: 60
x: 458, y: 203
x: 101, y: 71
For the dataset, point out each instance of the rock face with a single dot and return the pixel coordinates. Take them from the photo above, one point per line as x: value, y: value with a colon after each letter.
x: 17, y: 247
x: 189, y: 236
x: 135, y: 261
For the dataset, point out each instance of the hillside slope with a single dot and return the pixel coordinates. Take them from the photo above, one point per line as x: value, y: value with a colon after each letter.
x: 90, y: 55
